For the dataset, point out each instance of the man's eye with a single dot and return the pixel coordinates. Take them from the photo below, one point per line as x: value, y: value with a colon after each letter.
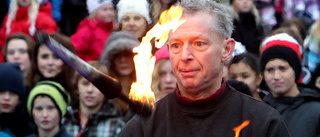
x: 199, y: 44
x: 175, y: 45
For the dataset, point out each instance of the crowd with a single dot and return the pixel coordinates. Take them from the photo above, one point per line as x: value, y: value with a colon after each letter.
x: 231, y: 61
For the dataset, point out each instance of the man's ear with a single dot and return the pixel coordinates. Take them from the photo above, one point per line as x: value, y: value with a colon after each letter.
x: 228, y: 47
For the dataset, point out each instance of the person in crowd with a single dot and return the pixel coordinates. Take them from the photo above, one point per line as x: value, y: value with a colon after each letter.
x: 296, y: 25
x: 13, y: 113
x: 280, y: 65
x: 46, y: 65
x: 315, y: 79
x: 312, y: 46
x: 93, y: 115
x: 72, y: 12
x: 203, y: 104
x: 157, y: 7
x: 163, y: 79
x: 245, y: 67
x: 247, y: 27
x: 134, y: 17
x: 56, y: 9
x: 27, y: 16
x: 93, y: 31
x: 19, y: 49
x: 47, y: 104
x: 118, y: 57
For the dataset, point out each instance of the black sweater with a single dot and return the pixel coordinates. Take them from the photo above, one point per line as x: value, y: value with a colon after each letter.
x: 215, y: 116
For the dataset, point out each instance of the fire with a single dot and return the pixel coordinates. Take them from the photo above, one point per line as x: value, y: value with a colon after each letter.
x: 144, y: 60
x: 239, y: 128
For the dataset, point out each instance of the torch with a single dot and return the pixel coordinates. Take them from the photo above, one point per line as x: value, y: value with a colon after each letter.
x: 109, y: 86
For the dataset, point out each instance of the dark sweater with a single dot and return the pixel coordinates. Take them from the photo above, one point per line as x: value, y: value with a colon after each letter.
x: 301, y: 114
x: 216, y: 116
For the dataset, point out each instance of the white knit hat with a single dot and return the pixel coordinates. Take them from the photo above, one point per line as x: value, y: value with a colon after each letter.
x: 133, y: 6
x: 93, y: 5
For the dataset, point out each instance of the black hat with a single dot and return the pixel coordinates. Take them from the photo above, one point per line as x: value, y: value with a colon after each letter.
x: 11, y: 78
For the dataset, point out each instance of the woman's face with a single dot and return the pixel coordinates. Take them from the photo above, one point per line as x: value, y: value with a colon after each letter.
x: 135, y: 24
x: 8, y: 101
x: 168, y: 80
x: 24, y: 3
x: 105, y: 13
x: 243, y: 72
x: 89, y: 95
x: 124, y: 64
x: 49, y: 64
x: 17, y: 52
x: 45, y: 113
x: 243, y: 5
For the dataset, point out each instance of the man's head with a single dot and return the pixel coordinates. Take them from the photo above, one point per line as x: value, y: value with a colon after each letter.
x: 199, y: 47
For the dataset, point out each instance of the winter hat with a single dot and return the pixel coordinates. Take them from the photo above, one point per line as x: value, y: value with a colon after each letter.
x: 281, y: 52
x: 11, y: 78
x: 93, y: 5
x: 162, y: 53
x: 116, y: 43
x: 133, y: 6
x: 53, y: 90
x: 282, y: 39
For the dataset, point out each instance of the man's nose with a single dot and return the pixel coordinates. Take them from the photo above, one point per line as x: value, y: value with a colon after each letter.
x: 186, y: 53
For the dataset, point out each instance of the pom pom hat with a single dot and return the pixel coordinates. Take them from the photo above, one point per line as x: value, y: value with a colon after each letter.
x: 93, y: 5
x: 53, y: 90
x: 162, y: 53
x: 133, y: 6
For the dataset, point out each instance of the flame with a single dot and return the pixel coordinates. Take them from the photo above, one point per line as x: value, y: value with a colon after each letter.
x: 144, y: 60
x: 239, y: 128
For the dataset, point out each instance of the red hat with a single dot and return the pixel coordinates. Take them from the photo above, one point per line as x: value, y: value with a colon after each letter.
x: 162, y: 53
x: 282, y: 39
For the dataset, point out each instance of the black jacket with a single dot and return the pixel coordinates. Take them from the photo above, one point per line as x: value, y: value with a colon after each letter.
x: 212, y: 117
x: 301, y: 114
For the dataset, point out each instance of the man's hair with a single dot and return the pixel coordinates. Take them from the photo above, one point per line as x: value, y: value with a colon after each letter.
x: 222, y: 23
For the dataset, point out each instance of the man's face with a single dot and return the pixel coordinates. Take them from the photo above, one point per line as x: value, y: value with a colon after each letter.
x: 279, y: 77
x: 197, y: 54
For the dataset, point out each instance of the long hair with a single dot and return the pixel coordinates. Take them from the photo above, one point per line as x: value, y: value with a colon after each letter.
x: 254, y: 11
x: 32, y: 13
x: 315, y: 32
x: 156, y: 8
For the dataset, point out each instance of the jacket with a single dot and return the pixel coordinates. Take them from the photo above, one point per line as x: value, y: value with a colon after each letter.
x: 105, y: 123
x: 301, y: 114
x: 44, y: 21
x: 90, y: 38
x: 215, y: 116
x: 61, y: 133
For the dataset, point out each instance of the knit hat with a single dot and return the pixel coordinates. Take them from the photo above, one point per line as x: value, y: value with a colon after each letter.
x: 281, y: 52
x: 116, y: 43
x: 11, y: 78
x: 162, y: 53
x: 53, y: 90
x: 282, y: 39
x: 133, y: 6
x: 93, y: 5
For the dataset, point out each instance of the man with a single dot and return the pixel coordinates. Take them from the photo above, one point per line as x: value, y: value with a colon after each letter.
x: 281, y: 69
x: 203, y: 105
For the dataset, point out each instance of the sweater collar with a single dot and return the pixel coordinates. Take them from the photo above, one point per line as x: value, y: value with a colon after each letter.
x: 204, y: 100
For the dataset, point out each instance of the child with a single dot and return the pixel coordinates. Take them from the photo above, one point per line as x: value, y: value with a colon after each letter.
x: 94, y: 30
x: 94, y: 115
x: 47, y: 105
x: 13, y: 115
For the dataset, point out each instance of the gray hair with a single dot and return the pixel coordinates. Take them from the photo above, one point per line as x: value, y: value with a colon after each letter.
x: 221, y: 14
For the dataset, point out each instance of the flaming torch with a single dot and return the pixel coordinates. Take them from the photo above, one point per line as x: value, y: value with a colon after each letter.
x: 144, y: 60
x: 239, y: 128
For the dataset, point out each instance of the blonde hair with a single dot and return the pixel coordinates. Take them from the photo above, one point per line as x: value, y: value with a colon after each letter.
x: 315, y: 32
x: 32, y: 13
x: 253, y: 11
x: 155, y: 83
x: 156, y: 8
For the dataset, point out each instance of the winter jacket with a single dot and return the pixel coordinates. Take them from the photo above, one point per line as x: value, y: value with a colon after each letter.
x: 301, y: 114
x: 61, y: 133
x: 105, y: 123
x: 90, y: 38
x: 248, y: 32
x: 215, y: 116
x: 21, y: 23
x: 56, y: 9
